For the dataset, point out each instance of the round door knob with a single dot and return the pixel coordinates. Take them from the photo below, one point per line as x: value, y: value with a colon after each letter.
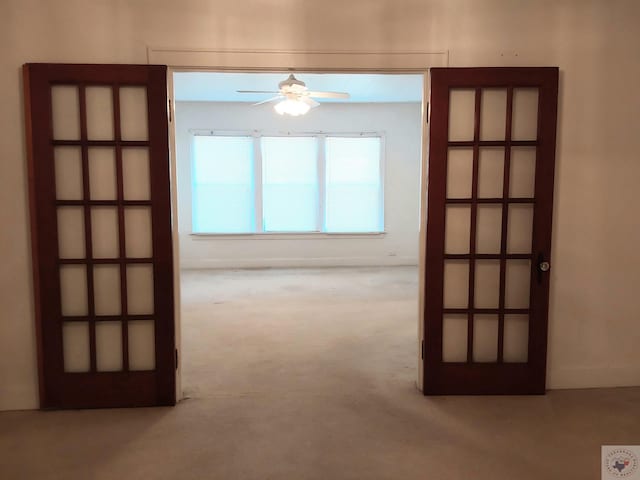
x: 544, y: 266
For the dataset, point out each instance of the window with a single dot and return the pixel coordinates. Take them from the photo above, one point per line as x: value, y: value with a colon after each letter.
x: 223, y: 185
x: 353, y: 192
x: 289, y: 184
x: 298, y: 184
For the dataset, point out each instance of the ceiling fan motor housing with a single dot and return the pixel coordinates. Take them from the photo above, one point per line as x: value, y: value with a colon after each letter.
x: 292, y: 84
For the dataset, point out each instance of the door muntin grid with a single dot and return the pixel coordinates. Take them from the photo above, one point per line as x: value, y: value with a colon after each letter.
x: 103, y: 200
x: 487, y: 239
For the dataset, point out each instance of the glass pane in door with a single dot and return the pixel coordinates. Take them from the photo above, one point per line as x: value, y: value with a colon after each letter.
x: 68, y: 168
x: 485, y: 338
x: 140, y: 293
x: 135, y: 173
x: 459, y: 172
x: 134, y: 113
x: 461, y: 114
x: 104, y: 232
x: 99, y: 103
x: 487, y: 284
x: 73, y: 290
x: 518, y: 275
x: 71, y: 242
x: 490, y: 172
x: 109, y: 346
x: 75, y: 347
x: 525, y: 114
x: 522, y: 177
x: 520, y: 228
x: 454, y: 338
x: 106, y: 281
x: 516, y: 338
x: 457, y: 228
x: 488, y: 229
x: 456, y: 283
x: 493, y: 113
x: 102, y: 173
x: 65, y: 109
x: 137, y: 225
x: 142, y: 345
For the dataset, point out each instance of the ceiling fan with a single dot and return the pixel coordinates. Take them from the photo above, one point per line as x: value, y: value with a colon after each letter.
x: 293, y: 97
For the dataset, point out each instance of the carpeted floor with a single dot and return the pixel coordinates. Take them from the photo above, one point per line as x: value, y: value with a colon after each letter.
x: 273, y: 332
x: 310, y: 374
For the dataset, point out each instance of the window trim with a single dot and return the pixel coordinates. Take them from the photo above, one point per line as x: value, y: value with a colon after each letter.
x: 257, y: 183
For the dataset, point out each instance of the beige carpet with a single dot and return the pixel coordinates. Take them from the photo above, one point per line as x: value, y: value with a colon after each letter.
x: 309, y: 374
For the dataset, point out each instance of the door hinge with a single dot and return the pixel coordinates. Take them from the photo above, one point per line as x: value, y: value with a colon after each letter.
x: 170, y: 113
x: 422, y: 353
x: 176, y: 358
x: 427, y: 113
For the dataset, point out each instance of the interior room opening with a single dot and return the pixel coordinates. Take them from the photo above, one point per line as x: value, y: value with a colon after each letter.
x: 298, y: 226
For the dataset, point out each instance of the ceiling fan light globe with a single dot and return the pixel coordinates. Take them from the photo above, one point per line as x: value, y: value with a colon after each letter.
x: 291, y: 107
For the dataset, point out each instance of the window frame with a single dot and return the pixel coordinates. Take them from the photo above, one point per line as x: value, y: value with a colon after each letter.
x: 321, y: 136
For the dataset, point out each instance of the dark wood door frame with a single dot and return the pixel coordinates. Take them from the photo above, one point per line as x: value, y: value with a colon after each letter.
x: 489, y: 378
x: 93, y: 389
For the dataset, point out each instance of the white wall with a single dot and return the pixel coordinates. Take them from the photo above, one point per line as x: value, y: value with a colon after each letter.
x: 594, y: 312
x: 401, y: 125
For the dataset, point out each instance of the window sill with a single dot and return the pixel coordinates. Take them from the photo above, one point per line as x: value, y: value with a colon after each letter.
x: 284, y: 235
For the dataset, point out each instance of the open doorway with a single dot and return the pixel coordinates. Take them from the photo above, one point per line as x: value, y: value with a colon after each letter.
x: 299, y: 235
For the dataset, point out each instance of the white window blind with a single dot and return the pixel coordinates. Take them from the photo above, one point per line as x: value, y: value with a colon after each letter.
x: 312, y: 183
x: 223, y: 179
x: 353, y: 188
x: 290, y: 184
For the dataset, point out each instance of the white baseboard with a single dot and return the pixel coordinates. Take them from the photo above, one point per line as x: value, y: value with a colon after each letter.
x: 214, y: 263
x: 593, y: 377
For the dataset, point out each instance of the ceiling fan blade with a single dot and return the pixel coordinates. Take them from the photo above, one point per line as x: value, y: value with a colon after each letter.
x: 272, y: 99
x: 328, y: 94
x: 309, y: 101
x: 257, y: 91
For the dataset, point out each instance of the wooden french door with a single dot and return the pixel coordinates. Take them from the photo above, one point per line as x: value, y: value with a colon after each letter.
x: 97, y: 141
x: 490, y: 197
